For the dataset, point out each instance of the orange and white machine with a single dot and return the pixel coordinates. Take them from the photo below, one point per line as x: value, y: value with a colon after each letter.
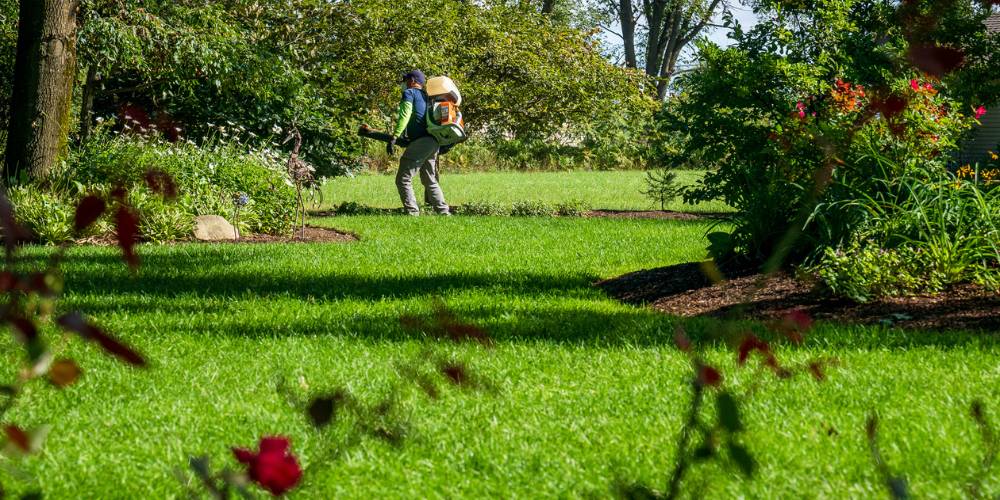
x: 444, y: 119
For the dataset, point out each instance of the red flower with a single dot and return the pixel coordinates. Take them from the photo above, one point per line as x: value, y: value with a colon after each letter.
x: 273, y: 468
x: 709, y: 376
x: 802, y: 109
x: 980, y: 111
x: 915, y: 85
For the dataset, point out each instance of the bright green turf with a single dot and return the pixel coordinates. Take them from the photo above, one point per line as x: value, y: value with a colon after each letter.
x: 601, y: 190
x: 587, y: 391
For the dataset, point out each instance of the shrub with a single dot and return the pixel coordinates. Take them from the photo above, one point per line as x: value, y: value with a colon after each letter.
x: 355, y: 208
x: 207, y: 178
x: 861, y: 273
x: 790, y: 114
x: 482, y: 208
x: 919, y: 234
x: 160, y: 220
x: 571, y: 208
x: 48, y: 215
x: 531, y: 209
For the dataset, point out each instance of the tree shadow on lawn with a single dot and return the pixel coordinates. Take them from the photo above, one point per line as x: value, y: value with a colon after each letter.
x: 157, y: 289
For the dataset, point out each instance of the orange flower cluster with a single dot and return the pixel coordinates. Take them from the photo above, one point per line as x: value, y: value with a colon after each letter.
x: 847, y: 97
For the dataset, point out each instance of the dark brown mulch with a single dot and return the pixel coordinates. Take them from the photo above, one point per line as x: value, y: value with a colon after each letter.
x: 652, y: 214
x: 312, y: 235
x: 684, y: 290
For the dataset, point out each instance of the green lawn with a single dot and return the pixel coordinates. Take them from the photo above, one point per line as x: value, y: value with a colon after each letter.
x: 600, y: 190
x: 586, y: 391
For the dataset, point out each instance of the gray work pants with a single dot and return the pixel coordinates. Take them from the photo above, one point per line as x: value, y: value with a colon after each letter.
x: 420, y: 156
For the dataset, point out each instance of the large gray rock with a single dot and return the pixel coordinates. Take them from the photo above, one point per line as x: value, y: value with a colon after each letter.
x: 213, y: 228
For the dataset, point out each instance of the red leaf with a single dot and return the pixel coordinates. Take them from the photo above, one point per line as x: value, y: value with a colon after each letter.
x: 709, y: 376
x: 817, y: 371
x: 935, y: 60
x: 751, y: 343
x: 127, y: 230
x: 75, y: 322
x: 88, y: 211
x: 25, y: 327
x: 8, y: 281
x: 162, y: 183
x: 18, y: 437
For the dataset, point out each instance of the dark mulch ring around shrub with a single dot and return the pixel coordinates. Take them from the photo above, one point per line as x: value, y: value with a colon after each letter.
x: 684, y: 290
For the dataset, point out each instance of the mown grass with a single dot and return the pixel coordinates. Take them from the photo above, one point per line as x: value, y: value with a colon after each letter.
x: 614, y: 190
x: 586, y: 392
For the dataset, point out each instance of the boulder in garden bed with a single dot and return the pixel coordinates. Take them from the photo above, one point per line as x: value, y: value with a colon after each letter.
x: 213, y: 228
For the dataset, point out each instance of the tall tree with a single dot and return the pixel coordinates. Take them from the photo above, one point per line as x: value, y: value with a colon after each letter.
x: 661, y: 30
x: 44, y: 72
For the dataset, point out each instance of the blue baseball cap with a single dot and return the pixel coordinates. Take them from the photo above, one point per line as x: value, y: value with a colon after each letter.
x: 416, y: 75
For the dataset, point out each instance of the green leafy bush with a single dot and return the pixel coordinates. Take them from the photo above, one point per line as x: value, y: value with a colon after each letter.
x: 530, y: 208
x: 862, y: 273
x: 160, y: 220
x: 919, y: 233
x: 571, y: 208
x: 48, y: 215
x: 207, y: 178
x: 789, y: 116
x: 482, y: 208
x: 355, y: 208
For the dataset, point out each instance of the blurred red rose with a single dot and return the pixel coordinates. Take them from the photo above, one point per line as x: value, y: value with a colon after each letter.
x: 273, y: 467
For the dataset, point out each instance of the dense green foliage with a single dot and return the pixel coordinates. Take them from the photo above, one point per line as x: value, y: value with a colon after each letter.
x: 816, y: 108
x: 588, y: 392
x: 535, y: 86
x: 208, y: 178
x: 919, y: 233
x: 208, y: 181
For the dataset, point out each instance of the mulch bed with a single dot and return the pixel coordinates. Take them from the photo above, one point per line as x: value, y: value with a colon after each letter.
x: 652, y: 214
x: 684, y: 290
x: 312, y: 235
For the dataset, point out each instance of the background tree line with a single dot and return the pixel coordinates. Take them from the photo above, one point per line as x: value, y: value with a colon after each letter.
x: 533, y: 72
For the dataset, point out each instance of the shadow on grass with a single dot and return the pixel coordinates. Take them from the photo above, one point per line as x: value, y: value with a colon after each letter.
x: 525, y: 307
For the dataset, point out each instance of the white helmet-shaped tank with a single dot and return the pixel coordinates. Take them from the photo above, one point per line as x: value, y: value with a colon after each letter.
x: 443, y: 87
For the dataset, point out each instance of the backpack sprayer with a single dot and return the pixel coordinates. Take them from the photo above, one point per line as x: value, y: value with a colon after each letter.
x: 444, y: 119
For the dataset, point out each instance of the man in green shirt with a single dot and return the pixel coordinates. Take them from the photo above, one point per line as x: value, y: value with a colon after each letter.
x: 421, y: 154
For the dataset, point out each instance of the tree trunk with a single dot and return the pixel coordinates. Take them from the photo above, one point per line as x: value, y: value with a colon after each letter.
x: 548, y: 6
x: 626, y: 17
x: 44, y: 73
